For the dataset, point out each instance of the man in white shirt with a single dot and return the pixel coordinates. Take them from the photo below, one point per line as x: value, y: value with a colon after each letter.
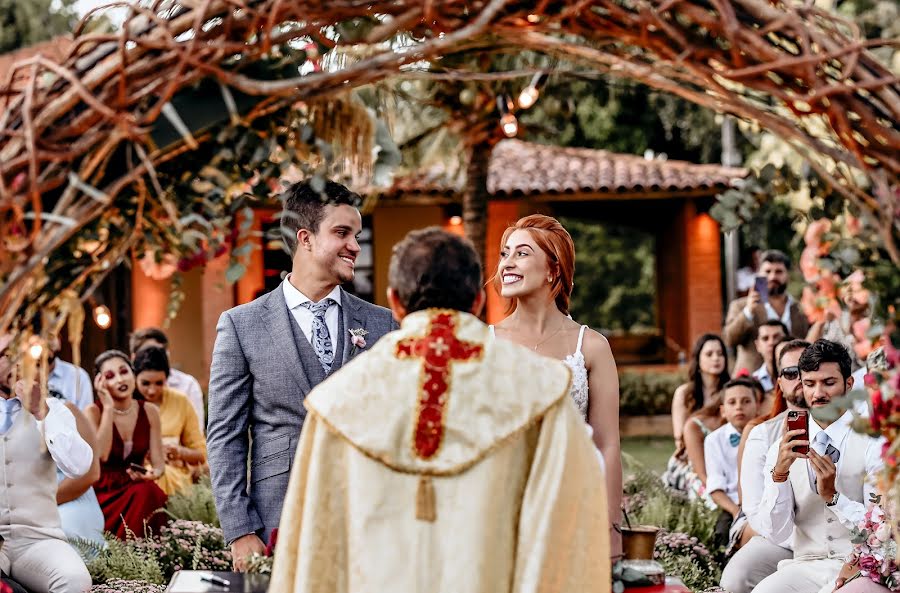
x: 818, y: 499
x: 37, y: 437
x: 71, y: 382
x: 768, y: 335
x: 748, y: 313
x: 178, y: 380
x: 759, y: 557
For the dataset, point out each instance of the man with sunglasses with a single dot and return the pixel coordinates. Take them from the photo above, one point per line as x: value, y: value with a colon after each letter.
x: 759, y: 557
x: 816, y: 498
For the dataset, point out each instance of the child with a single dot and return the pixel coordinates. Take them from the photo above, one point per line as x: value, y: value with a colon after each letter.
x: 740, y: 404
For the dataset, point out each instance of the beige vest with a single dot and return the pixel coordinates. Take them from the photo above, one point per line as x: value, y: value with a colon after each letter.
x: 27, y: 484
x: 818, y: 533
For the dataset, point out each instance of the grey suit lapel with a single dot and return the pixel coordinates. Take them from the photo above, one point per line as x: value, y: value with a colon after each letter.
x: 280, y: 323
x: 353, y: 319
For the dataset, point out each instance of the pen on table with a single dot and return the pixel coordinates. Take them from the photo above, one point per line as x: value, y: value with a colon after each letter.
x: 211, y: 578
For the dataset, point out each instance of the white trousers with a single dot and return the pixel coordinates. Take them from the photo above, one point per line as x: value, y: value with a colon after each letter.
x: 45, y: 565
x: 802, y: 576
x: 755, y: 561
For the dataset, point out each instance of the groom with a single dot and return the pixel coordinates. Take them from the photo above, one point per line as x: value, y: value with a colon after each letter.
x: 271, y: 352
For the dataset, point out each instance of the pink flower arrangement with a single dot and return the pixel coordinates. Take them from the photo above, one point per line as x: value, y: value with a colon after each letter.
x: 874, y: 549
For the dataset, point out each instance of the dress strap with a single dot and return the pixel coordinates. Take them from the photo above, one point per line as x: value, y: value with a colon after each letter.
x: 580, y: 338
x: 701, y: 426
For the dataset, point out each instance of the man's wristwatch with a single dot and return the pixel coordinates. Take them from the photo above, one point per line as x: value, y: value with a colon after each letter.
x: 834, y: 499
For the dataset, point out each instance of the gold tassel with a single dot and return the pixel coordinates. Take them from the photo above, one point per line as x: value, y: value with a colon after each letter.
x: 426, y: 509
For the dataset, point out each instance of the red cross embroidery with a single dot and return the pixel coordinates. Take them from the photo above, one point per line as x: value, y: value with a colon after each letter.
x: 438, y: 349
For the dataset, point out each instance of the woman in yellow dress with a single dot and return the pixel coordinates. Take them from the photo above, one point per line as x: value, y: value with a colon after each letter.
x: 183, y: 442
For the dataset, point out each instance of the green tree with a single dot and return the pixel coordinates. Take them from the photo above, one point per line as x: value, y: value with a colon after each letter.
x: 615, y: 276
x: 26, y: 22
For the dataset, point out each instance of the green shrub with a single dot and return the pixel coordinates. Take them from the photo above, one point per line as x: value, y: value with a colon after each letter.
x: 648, y: 393
x: 190, y: 545
x: 126, y: 586
x: 648, y: 502
x: 194, y: 504
x: 128, y: 560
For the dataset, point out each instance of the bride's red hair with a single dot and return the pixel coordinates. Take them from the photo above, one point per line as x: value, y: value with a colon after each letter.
x: 555, y: 241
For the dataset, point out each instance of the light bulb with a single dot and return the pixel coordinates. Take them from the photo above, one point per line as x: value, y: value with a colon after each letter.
x: 102, y: 316
x: 35, y: 351
x: 455, y: 220
x: 528, y: 97
x: 509, y: 124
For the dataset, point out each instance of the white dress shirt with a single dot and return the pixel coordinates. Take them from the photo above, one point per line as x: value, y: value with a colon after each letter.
x: 304, y: 316
x: 771, y: 314
x: 73, y: 456
x: 720, y: 454
x: 776, y: 509
x: 753, y: 479
x: 188, y: 385
x: 762, y: 375
x: 63, y: 379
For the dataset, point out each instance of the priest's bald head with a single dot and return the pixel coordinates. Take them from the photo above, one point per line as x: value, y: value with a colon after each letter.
x: 434, y: 269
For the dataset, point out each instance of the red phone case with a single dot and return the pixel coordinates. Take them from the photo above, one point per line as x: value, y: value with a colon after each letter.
x: 798, y: 423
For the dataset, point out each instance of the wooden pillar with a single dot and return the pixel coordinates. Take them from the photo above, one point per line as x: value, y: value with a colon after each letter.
x: 704, y: 273
x: 689, y: 278
x: 149, y: 298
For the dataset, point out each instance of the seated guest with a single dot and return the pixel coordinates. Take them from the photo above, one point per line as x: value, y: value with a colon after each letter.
x: 70, y: 381
x: 707, y: 373
x: 686, y: 471
x: 79, y: 510
x: 740, y: 403
x: 768, y: 335
x: 759, y: 557
x: 38, y: 436
x: 183, y: 443
x: 178, y: 380
x: 817, y: 497
x: 128, y: 432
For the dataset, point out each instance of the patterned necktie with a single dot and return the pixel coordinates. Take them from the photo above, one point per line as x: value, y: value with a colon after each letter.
x: 820, y: 446
x: 9, y: 408
x: 321, y: 341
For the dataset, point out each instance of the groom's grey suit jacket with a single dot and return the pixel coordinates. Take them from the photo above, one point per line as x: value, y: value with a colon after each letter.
x: 262, y: 369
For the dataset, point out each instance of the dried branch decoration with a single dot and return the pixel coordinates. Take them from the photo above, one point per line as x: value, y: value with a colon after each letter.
x: 78, y: 136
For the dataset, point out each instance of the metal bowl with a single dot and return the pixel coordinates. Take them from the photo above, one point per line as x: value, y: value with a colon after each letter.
x: 638, y: 542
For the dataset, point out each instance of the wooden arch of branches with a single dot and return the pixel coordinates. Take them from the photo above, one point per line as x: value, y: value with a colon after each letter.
x: 800, y: 72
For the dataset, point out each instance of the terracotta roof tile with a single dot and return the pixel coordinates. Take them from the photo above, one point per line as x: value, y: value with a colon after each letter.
x: 56, y: 50
x: 520, y: 168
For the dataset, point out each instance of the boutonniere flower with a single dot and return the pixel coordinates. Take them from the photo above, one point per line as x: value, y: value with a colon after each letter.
x: 358, y: 339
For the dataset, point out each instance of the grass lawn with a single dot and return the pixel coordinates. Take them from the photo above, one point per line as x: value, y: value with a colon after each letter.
x: 651, y: 452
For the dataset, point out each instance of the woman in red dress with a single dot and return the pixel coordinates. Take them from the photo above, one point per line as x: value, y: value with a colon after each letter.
x: 128, y: 434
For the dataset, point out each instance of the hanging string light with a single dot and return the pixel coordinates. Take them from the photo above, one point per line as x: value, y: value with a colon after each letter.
x: 530, y: 94
x: 102, y: 316
x: 508, y: 122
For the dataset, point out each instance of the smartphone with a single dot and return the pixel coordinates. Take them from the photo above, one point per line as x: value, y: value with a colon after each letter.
x: 761, y: 286
x: 799, y: 420
x: 138, y: 468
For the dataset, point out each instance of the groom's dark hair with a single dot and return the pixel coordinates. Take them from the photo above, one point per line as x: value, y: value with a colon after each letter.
x: 304, y: 206
x: 431, y: 268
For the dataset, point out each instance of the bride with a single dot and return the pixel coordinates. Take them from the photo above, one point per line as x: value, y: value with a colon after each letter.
x: 535, y: 274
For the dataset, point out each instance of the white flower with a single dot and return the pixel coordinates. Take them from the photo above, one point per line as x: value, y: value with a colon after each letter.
x: 358, y: 338
x: 883, y: 533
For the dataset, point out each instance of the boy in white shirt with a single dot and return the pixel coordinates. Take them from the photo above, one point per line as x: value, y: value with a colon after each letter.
x: 740, y: 404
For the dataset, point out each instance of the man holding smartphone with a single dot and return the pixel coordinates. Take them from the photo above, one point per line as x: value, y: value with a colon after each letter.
x: 747, y: 314
x: 817, y: 497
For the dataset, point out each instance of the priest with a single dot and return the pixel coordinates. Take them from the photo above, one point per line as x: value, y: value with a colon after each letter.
x: 440, y: 460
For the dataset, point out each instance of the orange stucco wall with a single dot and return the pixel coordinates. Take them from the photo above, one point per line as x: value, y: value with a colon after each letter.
x: 389, y: 225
